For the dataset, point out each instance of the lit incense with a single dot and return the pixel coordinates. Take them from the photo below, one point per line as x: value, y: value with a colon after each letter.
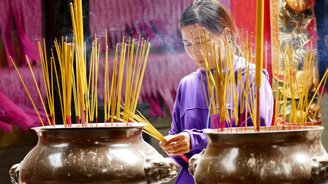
x: 259, y: 56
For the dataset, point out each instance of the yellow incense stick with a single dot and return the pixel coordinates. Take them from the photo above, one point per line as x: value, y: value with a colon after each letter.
x: 38, y: 90
x: 47, y: 82
x: 58, y: 86
x: 259, y: 55
x: 28, y: 94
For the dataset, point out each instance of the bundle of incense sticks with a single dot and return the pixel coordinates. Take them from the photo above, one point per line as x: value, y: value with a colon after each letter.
x: 76, y: 87
x: 151, y: 130
x: 68, y: 65
x: 294, y: 93
x: 227, y: 84
x: 129, y: 68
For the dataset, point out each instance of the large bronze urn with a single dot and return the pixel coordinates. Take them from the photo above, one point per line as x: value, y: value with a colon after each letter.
x: 97, y: 153
x: 272, y: 155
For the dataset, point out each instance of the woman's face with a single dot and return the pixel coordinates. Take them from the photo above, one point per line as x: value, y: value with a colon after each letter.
x: 193, y: 47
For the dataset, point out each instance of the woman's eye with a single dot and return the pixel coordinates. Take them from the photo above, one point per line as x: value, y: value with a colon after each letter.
x: 187, y: 44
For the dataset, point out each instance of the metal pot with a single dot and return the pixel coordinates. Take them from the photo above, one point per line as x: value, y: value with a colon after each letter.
x: 272, y: 155
x: 98, y: 153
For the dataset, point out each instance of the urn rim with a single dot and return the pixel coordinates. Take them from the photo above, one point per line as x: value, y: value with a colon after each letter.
x: 101, y: 125
x: 263, y: 130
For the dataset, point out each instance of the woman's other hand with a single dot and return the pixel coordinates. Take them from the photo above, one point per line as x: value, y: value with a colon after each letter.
x: 176, y: 144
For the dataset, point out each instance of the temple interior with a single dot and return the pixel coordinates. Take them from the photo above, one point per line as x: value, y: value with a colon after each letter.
x: 295, y: 33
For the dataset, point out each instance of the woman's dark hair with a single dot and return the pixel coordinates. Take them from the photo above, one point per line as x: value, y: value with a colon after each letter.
x: 209, y: 14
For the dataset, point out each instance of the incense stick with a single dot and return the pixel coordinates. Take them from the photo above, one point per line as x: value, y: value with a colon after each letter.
x: 28, y: 94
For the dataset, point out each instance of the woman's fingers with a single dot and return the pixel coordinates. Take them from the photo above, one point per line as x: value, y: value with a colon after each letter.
x: 170, y: 146
x: 176, y: 144
x: 177, y: 148
x: 174, y: 138
x: 170, y: 141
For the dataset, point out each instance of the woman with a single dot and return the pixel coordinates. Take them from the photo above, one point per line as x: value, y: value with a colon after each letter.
x: 190, y: 112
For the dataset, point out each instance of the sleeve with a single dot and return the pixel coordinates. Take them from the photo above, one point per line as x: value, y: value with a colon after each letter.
x: 176, y: 122
x: 266, y: 100
x: 198, y: 139
x: 176, y: 126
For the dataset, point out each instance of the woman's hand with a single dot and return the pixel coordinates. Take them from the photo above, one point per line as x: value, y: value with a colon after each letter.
x: 176, y: 144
